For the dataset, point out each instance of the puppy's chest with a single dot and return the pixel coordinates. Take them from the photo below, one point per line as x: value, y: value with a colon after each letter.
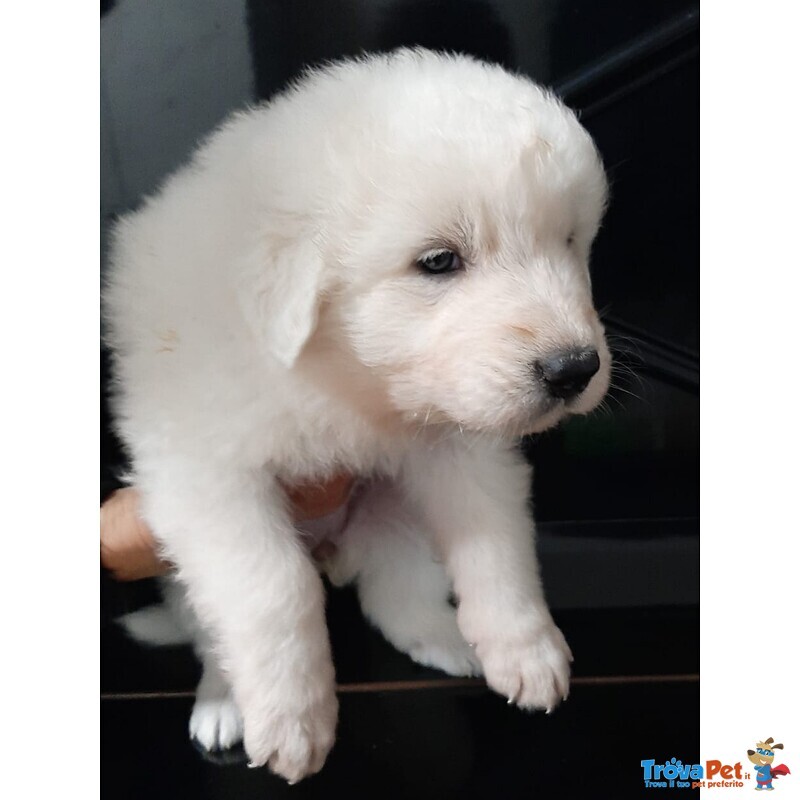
x: 320, y: 445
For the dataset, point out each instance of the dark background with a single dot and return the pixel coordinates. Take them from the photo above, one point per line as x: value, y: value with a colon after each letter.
x: 616, y: 493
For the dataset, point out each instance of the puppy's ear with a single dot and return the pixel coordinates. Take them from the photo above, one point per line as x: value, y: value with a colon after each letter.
x: 280, y: 293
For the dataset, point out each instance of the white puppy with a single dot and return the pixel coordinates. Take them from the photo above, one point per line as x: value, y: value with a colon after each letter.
x: 381, y: 271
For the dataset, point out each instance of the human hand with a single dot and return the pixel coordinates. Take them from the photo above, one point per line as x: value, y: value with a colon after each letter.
x: 127, y: 547
x: 130, y: 552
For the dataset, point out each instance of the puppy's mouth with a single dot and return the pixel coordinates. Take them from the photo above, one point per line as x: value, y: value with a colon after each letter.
x: 545, y: 411
x: 548, y: 413
x: 535, y: 416
x: 521, y: 412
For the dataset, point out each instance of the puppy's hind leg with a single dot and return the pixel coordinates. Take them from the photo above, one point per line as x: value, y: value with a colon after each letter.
x: 215, y: 723
x: 402, y: 588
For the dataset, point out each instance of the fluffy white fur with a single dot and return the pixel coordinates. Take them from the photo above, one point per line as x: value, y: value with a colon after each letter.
x: 268, y: 325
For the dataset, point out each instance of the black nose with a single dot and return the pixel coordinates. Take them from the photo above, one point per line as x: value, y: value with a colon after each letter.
x: 567, y: 374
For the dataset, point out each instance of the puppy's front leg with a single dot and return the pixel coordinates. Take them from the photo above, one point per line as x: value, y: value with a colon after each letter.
x: 254, y: 587
x: 475, y: 497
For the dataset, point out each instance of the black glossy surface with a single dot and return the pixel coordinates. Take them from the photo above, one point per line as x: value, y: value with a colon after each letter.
x: 406, y: 731
x: 551, y: 41
x: 604, y: 642
x: 435, y: 743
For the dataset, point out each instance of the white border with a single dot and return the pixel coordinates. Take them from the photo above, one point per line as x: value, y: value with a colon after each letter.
x: 49, y: 332
x: 749, y: 409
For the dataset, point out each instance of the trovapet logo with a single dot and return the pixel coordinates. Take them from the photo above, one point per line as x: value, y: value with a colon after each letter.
x: 716, y: 774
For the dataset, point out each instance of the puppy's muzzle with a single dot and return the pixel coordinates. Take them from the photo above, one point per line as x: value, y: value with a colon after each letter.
x: 566, y: 374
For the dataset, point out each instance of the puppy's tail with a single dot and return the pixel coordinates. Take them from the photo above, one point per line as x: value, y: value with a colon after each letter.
x: 155, y: 625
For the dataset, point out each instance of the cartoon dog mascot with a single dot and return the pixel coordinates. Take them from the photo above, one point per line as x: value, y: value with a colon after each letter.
x: 762, y: 757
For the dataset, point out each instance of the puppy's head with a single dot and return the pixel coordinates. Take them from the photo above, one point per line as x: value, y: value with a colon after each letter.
x: 462, y: 207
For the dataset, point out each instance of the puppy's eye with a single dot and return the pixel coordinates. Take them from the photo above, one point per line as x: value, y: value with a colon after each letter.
x: 570, y: 240
x: 439, y: 262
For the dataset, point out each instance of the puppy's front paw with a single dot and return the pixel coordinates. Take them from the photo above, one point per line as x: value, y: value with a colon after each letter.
x: 532, y: 670
x: 293, y: 742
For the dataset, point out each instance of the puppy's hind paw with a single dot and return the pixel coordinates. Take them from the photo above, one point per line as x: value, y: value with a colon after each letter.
x: 216, y: 723
x: 451, y: 655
